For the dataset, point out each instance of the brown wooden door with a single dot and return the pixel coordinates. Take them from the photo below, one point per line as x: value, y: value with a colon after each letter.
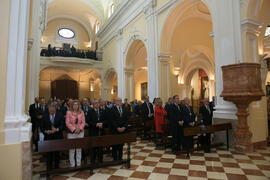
x: 63, y: 89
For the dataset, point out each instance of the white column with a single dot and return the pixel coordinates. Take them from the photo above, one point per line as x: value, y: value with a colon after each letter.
x: 120, y: 65
x: 129, y: 84
x: 164, y: 76
x: 152, y: 56
x: 17, y: 129
x: 38, y: 26
x: 228, y: 50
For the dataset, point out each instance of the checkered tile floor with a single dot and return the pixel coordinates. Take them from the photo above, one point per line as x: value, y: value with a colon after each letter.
x: 151, y: 162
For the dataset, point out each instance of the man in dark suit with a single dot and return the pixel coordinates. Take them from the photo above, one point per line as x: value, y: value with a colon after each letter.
x: 96, y: 122
x: 212, y: 105
x: 206, y: 115
x: 51, y: 126
x: 189, y: 121
x: 127, y: 106
x: 175, y: 118
x: 168, y: 105
x: 119, y: 125
x: 148, y: 115
x: 33, y: 112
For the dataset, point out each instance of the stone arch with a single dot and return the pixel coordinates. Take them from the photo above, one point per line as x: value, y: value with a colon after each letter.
x: 110, y: 78
x: 135, y: 67
x: 130, y: 45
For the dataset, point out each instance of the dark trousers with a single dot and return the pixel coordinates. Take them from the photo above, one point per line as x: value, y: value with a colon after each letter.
x: 205, y: 141
x: 117, y: 151
x: 53, y: 157
x: 188, y: 143
x: 98, y: 153
x: 35, y: 133
x: 177, y: 136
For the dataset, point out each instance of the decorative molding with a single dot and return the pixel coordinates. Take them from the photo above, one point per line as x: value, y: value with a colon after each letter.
x: 250, y: 26
x: 30, y: 44
x: 164, y: 58
x: 17, y: 129
x: 43, y: 14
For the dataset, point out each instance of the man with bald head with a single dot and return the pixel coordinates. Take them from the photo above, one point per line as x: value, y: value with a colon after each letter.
x: 119, y: 125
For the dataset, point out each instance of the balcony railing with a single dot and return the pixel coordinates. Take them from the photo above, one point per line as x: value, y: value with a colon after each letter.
x: 72, y: 52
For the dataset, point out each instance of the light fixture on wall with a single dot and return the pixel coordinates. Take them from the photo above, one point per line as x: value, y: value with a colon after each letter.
x: 179, y: 80
x: 91, y: 86
x: 42, y: 40
x: 88, y: 44
x: 112, y: 91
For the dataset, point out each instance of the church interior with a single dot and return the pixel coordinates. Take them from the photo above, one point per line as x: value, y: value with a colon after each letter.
x: 130, y: 54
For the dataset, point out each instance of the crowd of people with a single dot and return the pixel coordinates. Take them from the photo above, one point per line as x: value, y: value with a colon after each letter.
x: 69, y: 52
x: 81, y: 118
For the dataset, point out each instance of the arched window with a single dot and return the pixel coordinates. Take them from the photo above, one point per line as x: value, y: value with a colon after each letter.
x: 111, y: 10
x: 267, y: 31
x: 66, y: 33
x: 97, y: 26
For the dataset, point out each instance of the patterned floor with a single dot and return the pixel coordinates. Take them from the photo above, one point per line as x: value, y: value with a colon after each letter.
x: 151, y: 162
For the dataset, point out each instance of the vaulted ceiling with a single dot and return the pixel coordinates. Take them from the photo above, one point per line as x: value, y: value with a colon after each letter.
x: 85, y: 12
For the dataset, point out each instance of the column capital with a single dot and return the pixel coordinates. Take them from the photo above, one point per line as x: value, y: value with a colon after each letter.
x: 129, y: 70
x: 150, y: 8
x: 250, y: 26
x: 119, y: 34
x: 164, y: 58
x: 30, y: 44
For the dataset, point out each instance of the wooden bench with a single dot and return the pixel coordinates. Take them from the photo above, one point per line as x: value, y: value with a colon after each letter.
x: 86, y: 143
x: 192, y: 131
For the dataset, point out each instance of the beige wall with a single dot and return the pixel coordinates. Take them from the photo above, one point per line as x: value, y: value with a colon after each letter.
x: 11, y: 162
x: 51, y: 33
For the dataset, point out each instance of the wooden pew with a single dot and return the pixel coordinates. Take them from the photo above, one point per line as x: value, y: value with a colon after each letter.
x: 192, y: 131
x: 87, y: 143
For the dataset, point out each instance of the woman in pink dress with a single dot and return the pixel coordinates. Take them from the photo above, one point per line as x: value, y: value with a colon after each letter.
x: 75, y: 122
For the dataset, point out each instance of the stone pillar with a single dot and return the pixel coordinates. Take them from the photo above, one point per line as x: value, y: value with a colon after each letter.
x: 38, y: 25
x: 164, y: 76
x: 228, y: 50
x: 152, y: 56
x: 227, y: 40
x: 120, y: 65
x: 129, y: 84
x: 15, y: 131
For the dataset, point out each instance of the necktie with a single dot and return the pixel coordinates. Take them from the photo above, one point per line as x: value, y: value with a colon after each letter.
x: 52, y: 119
x: 148, y: 108
x: 97, y: 111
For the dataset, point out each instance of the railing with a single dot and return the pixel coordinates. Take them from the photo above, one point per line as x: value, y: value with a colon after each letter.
x: 72, y: 52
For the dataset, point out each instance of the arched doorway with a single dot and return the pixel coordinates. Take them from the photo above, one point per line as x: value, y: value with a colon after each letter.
x: 136, y: 77
x: 110, y: 87
x: 62, y: 89
x: 60, y: 82
x: 187, y: 38
x: 198, y: 87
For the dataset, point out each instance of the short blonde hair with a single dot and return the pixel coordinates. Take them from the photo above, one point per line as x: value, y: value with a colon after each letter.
x: 79, y: 106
